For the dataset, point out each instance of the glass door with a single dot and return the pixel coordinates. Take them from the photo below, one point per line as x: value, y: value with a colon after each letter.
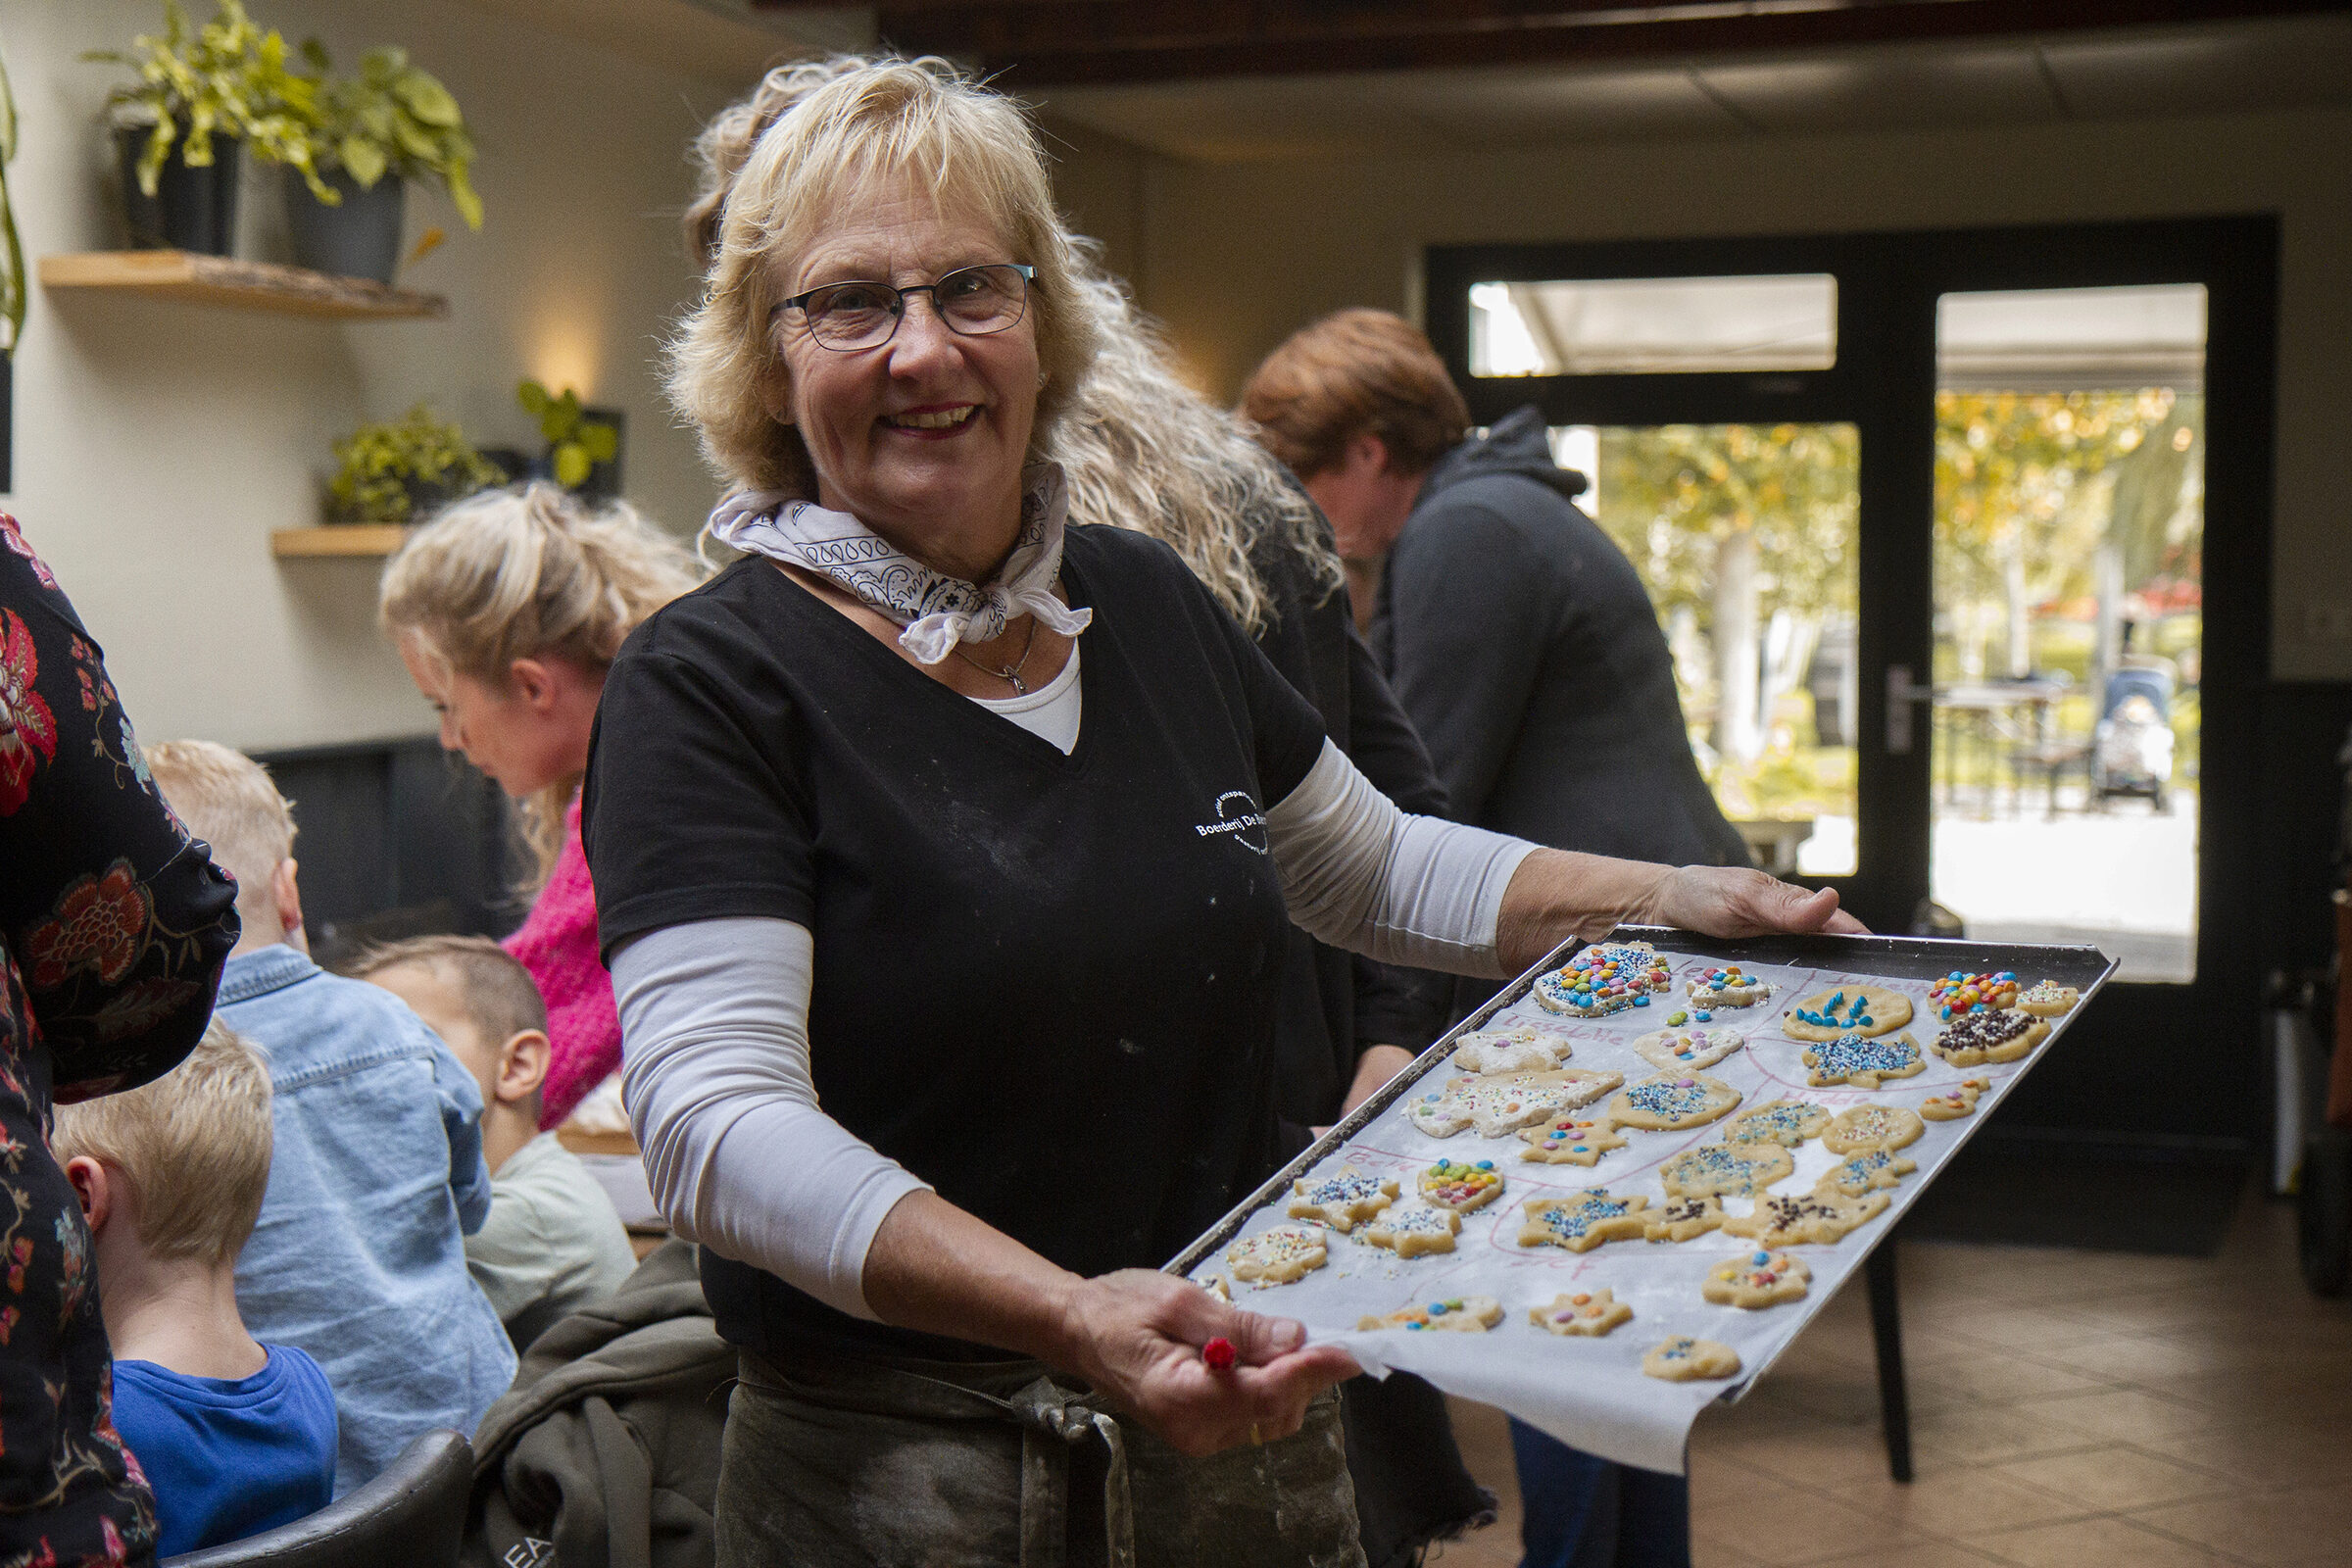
x: 2069, y: 619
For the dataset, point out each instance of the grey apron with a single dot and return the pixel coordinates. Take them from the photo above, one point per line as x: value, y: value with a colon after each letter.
x: 838, y: 1463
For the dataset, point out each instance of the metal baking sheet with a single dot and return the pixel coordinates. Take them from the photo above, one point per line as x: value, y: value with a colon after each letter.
x: 1589, y: 1391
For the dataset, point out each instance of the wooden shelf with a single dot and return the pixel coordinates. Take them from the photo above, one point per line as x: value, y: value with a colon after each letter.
x: 240, y: 285
x: 338, y: 539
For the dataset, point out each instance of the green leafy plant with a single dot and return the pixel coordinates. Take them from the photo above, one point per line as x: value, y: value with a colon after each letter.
x: 12, y: 249
x: 388, y: 467
x: 575, y: 443
x: 228, y: 78
x: 393, y: 118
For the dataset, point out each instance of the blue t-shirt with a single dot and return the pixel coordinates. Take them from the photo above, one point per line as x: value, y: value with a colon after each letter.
x: 229, y: 1457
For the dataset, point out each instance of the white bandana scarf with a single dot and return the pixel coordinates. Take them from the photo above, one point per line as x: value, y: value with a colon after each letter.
x: 937, y: 610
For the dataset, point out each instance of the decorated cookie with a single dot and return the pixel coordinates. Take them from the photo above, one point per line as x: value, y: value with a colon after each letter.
x: 1588, y: 1312
x: 1566, y: 1141
x: 1783, y: 1121
x: 1873, y: 1127
x: 1956, y: 1102
x: 1757, y: 1279
x: 1848, y: 1011
x: 1504, y: 1103
x: 1862, y: 1061
x: 1820, y: 1217
x: 1727, y: 987
x: 1957, y: 994
x: 1725, y: 1170
x: 1668, y: 1049
x: 2046, y: 998
x: 1608, y: 978
x: 1682, y: 1218
x: 1340, y: 1200
x: 1460, y: 1185
x: 1683, y: 1359
x: 1520, y: 1049
x: 1277, y: 1257
x: 1583, y: 1222
x: 1864, y: 1170
x: 1673, y: 1099
x: 1975, y: 1038
x: 1463, y: 1314
x: 1411, y: 1229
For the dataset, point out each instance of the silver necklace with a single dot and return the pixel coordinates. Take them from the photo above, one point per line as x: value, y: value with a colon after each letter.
x: 1010, y: 673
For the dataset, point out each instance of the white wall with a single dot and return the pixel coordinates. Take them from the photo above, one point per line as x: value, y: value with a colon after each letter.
x: 156, y: 443
x: 1233, y: 258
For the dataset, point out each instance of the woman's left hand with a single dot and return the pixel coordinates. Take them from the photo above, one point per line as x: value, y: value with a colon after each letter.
x: 1722, y: 900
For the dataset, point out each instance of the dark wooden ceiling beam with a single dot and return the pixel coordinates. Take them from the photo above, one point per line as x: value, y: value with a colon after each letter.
x: 1028, y: 43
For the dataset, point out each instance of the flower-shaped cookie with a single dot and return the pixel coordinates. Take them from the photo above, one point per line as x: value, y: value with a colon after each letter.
x: 1668, y: 1049
x: 1683, y: 1359
x: 1861, y: 1127
x: 1673, y: 1101
x: 1520, y: 1049
x: 1586, y: 1312
x: 1847, y: 1011
x: 1759, y: 1279
x: 1725, y: 1170
x: 1960, y: 993
x: 1277, y: 1257
x: 1782, y: 1121
x: 1411, y: 1229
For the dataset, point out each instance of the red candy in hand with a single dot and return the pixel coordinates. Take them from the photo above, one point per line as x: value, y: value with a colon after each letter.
x: 1218, y: 1353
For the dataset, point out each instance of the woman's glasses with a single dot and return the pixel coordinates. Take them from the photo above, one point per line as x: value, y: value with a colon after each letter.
x: 973, y: 301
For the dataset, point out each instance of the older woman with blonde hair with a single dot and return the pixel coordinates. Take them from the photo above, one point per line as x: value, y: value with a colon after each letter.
x: 947, y: 971
x: 507, y: 609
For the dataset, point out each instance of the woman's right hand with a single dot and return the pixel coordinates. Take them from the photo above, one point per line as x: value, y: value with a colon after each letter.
x: 1137, y: 1334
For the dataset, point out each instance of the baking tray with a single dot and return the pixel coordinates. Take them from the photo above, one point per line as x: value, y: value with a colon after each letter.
x: 1911, y: 960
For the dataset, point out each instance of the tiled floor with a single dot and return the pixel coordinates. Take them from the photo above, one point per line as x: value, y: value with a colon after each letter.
x: 2070, y: 1410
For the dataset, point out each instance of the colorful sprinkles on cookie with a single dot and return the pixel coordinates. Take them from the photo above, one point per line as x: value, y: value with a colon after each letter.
x: 1785, y: 1121
x: 1981, y: 1036
x: 1958, y: 992
x: 1583, y: 1222
x: 1568, y: 1140
x: 1860, y: 1060
x: 1728, y: 987
x: 1604, y: 979
x: 1722, y: 1170
x: 1856, y: 1014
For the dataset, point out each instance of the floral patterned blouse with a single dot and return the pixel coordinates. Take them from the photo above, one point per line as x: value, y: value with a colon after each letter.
x: 113, y: 925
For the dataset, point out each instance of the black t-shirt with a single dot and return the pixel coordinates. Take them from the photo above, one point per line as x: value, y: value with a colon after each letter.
x: 1045, y: 984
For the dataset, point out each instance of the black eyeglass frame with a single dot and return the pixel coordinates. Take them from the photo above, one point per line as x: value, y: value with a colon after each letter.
x: 898, y: 311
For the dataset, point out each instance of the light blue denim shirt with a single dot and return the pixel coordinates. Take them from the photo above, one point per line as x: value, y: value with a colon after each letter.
x: 375, y: 1182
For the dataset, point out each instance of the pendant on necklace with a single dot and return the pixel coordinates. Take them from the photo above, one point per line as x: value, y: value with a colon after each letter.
x: 1020, y: 688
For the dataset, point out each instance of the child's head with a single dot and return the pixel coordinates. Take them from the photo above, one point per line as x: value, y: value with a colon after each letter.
x: 508, y: 608
x: 185, y: 1159
x: 226, y: 799
x: 483, y: 1004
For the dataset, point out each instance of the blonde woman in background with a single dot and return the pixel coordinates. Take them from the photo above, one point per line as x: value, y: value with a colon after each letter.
x: 507, y: 609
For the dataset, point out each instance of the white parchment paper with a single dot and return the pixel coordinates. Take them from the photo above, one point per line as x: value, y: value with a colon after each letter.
x: 1592, y: 1392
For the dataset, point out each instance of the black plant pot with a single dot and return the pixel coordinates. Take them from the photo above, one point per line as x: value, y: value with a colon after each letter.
x: 359, y: 238
x: 192, y: 209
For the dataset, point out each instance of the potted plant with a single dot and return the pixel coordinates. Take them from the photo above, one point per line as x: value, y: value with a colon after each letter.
x: 204, y: 92
x: 583, y: 444
x: 390, y: 123
x: 402, y: 469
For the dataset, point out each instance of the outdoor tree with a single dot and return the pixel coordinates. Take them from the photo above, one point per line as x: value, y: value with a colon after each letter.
x: 2019, y: 519
x: 1752, y: 528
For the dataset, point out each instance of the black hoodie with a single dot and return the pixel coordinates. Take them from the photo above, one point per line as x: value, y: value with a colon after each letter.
x: 1527, y: 653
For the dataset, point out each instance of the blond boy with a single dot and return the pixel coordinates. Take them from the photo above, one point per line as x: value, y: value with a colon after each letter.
x: 359, y: 1256
x: 236, y: 1436
x: 553, y: 1243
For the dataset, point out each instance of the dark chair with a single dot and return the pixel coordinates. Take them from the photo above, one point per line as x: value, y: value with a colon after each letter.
x: 410, y: 1516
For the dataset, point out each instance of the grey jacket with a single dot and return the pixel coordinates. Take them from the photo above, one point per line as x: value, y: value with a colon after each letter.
x: 604, y: 1455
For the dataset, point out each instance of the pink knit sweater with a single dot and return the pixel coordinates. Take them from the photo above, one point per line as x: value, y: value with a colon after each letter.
x: 557, y: 943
